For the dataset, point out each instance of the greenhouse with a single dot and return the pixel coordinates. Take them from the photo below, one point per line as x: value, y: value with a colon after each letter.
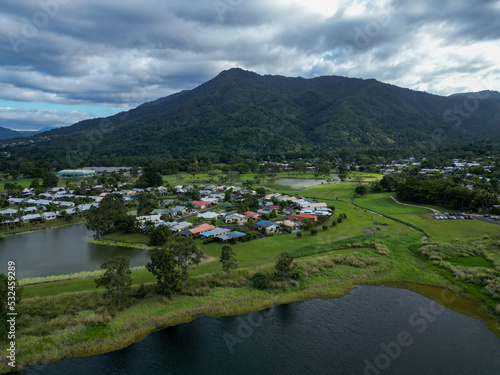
x: 76, y: 173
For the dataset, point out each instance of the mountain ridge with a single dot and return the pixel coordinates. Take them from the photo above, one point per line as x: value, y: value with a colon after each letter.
x: 239, y: 111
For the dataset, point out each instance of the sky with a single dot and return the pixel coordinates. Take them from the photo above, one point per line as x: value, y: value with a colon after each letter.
x: 63, y: 61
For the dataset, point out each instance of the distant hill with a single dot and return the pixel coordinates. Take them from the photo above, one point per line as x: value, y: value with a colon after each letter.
x: 242, y: 112
x: 485, y: 94
x: 9, y: 133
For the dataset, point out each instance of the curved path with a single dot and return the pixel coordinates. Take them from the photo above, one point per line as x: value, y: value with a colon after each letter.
x: 412, y: 205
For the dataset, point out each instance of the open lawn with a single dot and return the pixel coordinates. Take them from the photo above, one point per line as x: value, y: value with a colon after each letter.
x: 440, y: 230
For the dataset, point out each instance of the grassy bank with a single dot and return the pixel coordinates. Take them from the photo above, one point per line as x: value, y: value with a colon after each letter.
x: 27, y: 228
x: 80, y: 323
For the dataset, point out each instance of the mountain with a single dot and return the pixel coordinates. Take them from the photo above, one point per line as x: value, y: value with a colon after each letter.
x: 485, y: 94
x: 9, y: 133
x: 242, y: 112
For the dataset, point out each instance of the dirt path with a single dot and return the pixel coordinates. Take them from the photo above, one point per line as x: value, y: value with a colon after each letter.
x: 209, y: 259
x: 412, y: 205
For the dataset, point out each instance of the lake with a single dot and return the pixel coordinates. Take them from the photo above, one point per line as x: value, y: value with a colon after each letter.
x: 62, y: 250
x: 374, y: 330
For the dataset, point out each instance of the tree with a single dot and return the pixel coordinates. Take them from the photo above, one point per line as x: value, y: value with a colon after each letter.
x: 307, y: 224
x: 50, y: 179
x: 12, y: 188
x: 228, y: 259
x: 160, y: 235
x: 299, y: 234
x: 314, y: 231
x: 35, y: 184
x: 362, y: 190
x: 147, y: 202
x: 116, y: 279
x: 186, y: 254
x: 163, y: 266
x: 324, y: 169
x: 110, y: 213
x: 284, y: 267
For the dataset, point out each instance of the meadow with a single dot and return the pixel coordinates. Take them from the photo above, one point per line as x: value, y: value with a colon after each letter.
x: 71, y: 318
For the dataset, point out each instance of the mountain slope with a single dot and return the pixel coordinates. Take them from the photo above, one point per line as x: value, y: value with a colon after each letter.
x: 241, y: 111
x: 6, y: 133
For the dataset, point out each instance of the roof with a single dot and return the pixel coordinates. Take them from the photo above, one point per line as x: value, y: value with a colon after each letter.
x: 304, y: 216
x: 266, y: 224
x: 235, y: 215
x: 201, y: 203
x: 215, y: 232
x: 202, y: 228
x: 228, y: 236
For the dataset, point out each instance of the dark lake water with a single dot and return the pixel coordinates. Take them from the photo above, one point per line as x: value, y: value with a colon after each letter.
x: 60, y: 251
x: 373, y: 330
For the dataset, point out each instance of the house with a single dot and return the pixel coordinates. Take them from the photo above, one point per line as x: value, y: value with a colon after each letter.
x: 182, y: 226
x: 30, y: 210
x: 179, y: 210
x: 49, y: 215
x: 252, y: 215
x: 200, y: 229
x: 207, y: 215
x: 235, y: 219
x: 268, y: 226
x: 163, y: 191
x: 302, y: 216
x: 8, y: 212
x: 288, y: 223
x: 201, y: 204
x: 215, y: 232
x: 161, y: 211
x: 30, y: 218
x: 229, y: 236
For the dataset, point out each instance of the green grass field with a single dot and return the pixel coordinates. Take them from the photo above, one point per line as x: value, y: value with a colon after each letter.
x: 440, y: 230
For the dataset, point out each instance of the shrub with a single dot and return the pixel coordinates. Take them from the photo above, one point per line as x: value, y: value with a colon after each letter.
x: 334, y: 223
x: 299, y: 234
x: 261, y: 280
x: 340, y: 219
x: 314, y: 231
x: 325, y: 227
x: 141, y: 292
x: 298, y: 273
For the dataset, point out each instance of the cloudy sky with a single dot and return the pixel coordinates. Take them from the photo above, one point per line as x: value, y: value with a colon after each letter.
x: 62, y: 61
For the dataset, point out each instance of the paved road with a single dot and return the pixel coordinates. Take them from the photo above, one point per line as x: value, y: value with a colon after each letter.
x: 485, y: 219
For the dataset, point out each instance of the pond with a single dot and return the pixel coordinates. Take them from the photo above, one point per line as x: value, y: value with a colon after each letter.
x: 61, y: 251
x: 374, y: 330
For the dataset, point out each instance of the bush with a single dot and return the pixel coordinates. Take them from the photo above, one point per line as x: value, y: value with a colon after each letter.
x: 334, y: 223
x: 298, y: 273
x: 340, y: 219
x: 141, y: 292
x: 314, y: 231
x: 325, y: 227
x: 261, y: 280
x: 299, y: 234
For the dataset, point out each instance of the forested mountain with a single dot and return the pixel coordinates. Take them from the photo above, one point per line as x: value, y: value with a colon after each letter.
x: 6, y: 133
x: 242, y: 112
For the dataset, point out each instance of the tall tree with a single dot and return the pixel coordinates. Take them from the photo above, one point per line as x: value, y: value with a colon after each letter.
x: 116, y: 279
x: 163, y: 266
x: 284, y: 267
x: 160, y: 235
x: 186, y: 254
x: 147, y: 202
x: 110, y: 213
x: 50, y: 179
x: 228, y: 259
